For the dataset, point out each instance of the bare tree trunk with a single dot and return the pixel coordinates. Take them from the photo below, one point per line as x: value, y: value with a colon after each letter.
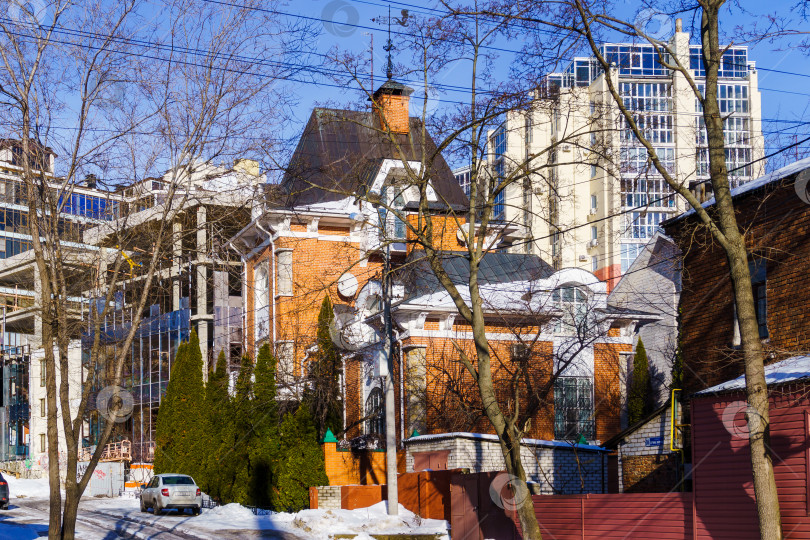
x: 737, y: 255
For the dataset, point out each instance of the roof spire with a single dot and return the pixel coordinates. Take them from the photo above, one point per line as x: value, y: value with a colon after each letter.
x: 388, y: 47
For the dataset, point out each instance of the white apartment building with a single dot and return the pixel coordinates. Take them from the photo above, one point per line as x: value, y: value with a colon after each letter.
x: 591, y: 198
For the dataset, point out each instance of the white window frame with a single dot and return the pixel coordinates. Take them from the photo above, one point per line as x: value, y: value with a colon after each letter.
x: 284, y: 272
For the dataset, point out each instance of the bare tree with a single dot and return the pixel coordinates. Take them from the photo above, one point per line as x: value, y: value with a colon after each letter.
x: 115, y: 102
x: 721, y: 221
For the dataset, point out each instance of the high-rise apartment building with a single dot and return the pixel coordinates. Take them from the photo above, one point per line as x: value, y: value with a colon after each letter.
x: 592, y: 198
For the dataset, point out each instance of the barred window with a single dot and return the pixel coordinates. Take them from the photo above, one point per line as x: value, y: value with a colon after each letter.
x: 573, y: 408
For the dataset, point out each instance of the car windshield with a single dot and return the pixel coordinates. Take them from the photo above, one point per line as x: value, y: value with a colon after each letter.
x: 177, y: 481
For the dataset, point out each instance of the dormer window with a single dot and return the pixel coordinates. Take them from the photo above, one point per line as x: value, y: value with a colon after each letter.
x: 392, y: 227
x: 573, y: 303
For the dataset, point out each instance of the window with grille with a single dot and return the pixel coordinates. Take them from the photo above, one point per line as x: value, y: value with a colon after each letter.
x: 738, y: 163
x: 573, y: 408
x: 636, y: 60
x: 375, y: 411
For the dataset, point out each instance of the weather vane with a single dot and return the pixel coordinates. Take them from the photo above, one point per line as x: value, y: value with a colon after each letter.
x: 389, y: 45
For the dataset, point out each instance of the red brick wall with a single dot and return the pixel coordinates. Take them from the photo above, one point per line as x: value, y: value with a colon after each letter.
x: 777, y: 225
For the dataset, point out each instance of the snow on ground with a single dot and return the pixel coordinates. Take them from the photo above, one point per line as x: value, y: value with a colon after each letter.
x: 310, y: 524
x: 322, y: 524
x: 27, y: 487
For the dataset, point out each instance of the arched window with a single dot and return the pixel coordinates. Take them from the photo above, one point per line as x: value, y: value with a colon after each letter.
x: 573, y: 303
x: 375, y: 411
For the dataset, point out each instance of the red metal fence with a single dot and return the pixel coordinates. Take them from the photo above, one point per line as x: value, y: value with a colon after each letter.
x: 663, y: 516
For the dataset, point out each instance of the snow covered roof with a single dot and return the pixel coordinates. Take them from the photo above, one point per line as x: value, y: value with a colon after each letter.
x: 774, y: 176
x: 494, y: 438
x: 792, y: 369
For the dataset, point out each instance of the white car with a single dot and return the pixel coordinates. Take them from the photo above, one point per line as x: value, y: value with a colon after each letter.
x: 171, y: 491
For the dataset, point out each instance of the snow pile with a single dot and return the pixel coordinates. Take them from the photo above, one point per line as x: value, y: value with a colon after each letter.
x: 28, y: 487
x: 322, y: 524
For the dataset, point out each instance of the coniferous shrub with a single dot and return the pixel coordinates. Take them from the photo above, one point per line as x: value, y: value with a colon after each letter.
x: 217, y: 428
x: 323, y: 392
x: 239, y: 437
x: 264, y: 440
x: 302, y: 463
x: 640, y: 396
x: 167, y: 439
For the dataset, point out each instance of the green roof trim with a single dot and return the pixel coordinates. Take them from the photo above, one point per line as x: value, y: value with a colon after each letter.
x: 329, y: 436
x: 415, y: 433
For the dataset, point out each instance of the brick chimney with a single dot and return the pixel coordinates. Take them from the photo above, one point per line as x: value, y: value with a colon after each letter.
x: 390, y: 102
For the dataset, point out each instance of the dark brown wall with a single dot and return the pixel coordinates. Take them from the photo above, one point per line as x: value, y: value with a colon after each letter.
x: 777, y: 225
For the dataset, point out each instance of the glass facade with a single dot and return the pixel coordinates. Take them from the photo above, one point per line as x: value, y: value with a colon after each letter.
x: 145, y: 375
x: 734, y: 64
x: 15, y: 407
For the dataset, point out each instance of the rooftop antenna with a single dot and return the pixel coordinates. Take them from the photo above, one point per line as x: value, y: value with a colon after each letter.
x: 388, y: 47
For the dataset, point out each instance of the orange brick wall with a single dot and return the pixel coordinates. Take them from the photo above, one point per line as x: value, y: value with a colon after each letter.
x: 394, y: 111
x: 445, y: 232
x: 364, y: 467
x: 607, y: 388
x: 317, y: 265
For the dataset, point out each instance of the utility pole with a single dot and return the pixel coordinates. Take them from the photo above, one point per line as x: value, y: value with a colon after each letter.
x: 390, y: 399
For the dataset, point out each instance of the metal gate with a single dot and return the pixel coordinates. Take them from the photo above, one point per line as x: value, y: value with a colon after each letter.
x: 106, y: 480
x: 476, y: 510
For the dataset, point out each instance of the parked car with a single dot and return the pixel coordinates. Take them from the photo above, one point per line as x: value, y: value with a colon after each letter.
x: 3, y: 493
x: 171, y: 492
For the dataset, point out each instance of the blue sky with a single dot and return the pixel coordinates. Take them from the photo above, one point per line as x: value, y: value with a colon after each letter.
x: 785, y: 96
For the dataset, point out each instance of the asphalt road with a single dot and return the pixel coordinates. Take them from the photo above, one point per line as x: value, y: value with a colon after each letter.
x: 107, y: 524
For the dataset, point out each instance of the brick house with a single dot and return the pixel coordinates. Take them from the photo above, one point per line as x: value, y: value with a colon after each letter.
x: 775, y: 215
x: 318, y: 235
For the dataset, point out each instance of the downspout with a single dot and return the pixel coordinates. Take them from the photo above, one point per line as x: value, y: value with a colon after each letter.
x: 273, y: 271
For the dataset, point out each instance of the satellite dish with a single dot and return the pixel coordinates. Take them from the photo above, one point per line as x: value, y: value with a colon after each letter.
x: 347, y: 285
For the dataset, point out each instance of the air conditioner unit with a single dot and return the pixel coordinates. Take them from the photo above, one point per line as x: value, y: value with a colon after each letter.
x: 593, y: 243
x: 583, y: 258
